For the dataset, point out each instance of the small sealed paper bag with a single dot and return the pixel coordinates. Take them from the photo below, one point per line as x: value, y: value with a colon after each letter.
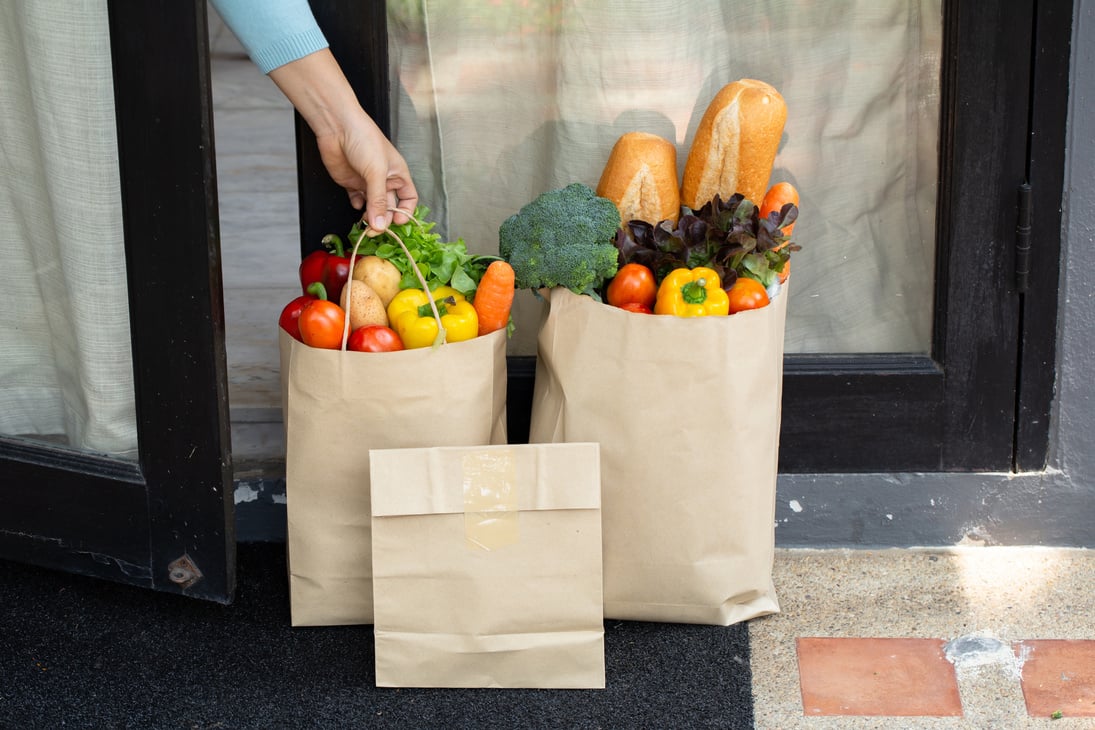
x: 687, y: 413
x: 487, y: 567
x: 338, y: 406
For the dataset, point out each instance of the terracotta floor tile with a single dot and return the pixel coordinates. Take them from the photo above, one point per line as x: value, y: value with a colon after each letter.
x: 1058, y: 676
x: 883, y: 677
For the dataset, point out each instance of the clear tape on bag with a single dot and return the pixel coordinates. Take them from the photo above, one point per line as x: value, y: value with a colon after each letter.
x: 490, y: 499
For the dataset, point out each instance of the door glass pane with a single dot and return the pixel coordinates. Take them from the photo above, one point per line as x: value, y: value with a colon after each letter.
x: 497, y: 101
x: 66, y: 372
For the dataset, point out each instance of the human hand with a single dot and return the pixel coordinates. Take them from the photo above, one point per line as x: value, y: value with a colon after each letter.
x: 376, y: 177
x: 352, y: 147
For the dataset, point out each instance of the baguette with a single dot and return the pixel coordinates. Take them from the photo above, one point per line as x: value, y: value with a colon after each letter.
x: 735, y: 144
x: 640, y: 177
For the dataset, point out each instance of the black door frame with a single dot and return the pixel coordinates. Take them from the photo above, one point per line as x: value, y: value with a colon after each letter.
x: 1051, y: 58
x: 979, y: 401
x: 165, y: 522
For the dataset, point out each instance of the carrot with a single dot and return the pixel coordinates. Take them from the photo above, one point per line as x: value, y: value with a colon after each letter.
x: 786, y: 272
x: 494, y: 297
x: 777, y: 196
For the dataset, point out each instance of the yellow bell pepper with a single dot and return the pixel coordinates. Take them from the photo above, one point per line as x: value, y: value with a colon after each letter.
x: 694, y: 292
x: 410, y: 314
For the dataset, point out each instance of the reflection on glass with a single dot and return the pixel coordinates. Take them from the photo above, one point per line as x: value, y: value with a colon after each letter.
x: 66, y: 373
x: 497, y: 101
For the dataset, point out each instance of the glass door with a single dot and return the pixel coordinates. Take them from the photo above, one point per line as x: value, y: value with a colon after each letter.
x: 114, y: 450
x: 951, y: 407
x: 908, y: 137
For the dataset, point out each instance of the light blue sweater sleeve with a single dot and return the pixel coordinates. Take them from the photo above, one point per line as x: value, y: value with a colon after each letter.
x: 274, y: 32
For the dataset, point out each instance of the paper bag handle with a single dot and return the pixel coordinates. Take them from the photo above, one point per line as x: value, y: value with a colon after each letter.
x: 440, y: 339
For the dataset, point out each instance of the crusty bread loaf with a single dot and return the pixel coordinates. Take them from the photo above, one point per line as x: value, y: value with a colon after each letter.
x: 640, y: 177
x: 735, y: 144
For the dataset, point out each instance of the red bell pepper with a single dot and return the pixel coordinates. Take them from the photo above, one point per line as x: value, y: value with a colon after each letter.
x: 329, y: 267
x: 290, y: 315
x: 311, y: 268
x: 288, y: 320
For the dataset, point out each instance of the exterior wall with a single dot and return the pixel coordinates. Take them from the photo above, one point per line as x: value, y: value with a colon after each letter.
x: 1074, y: 425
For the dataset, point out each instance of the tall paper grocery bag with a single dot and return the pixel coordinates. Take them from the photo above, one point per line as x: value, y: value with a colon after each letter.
x: 338, y: 406
x: 487, y: 567
x: 687, y: 413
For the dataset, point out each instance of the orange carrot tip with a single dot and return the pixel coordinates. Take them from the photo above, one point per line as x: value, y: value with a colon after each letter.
x: 494, y: 297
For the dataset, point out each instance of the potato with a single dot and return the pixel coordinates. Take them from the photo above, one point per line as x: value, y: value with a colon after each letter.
x: 380, y: 274
x: 365, y: 306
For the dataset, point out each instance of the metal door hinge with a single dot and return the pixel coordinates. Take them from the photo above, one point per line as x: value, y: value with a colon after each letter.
x: 1022, y: 239
x: 184, y: 572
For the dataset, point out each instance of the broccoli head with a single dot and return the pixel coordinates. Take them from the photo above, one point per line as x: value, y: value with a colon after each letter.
x: 565, y: 237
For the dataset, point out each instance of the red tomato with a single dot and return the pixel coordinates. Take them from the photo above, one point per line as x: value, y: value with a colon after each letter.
x: 636, y: 307
x: 321, y: 324
x: 632, y: 284
x: 747, y: 294
x: 374, y: 338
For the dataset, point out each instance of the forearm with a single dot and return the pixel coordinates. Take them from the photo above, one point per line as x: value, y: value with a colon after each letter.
x: 318, y: 90
x: 282, y: 38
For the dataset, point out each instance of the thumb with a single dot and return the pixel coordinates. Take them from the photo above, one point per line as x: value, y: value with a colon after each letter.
x: 376, y: 207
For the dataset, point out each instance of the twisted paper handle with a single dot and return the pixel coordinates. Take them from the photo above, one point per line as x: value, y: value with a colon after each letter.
x: 440, y: 339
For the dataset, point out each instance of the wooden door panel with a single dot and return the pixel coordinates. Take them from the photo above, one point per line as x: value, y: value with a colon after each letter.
x: 114, y: 519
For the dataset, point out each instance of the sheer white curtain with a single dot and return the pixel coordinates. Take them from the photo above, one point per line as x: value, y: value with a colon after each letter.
x: 66, y: 371
x: 499, y: 100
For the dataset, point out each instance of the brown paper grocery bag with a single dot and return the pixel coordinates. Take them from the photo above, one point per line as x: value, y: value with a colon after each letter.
x: 487, y: 567
x: 687, y: 413
x: 338, y: 406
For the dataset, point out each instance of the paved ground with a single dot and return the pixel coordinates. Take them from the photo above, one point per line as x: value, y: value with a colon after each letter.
x: 965, y: 637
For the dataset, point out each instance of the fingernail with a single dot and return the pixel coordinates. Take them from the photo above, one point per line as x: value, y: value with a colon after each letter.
x: 378, y: 222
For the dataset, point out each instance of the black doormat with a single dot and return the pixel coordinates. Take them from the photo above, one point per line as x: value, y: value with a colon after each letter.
x: 78, y: 652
